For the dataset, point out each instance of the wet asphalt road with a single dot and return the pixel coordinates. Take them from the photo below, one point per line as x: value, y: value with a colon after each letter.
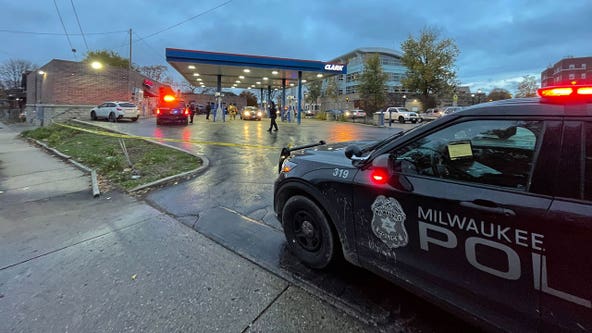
x: 238, y: 186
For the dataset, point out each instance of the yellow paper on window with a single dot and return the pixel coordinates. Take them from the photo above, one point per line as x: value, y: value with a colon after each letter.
x: 460, y: 150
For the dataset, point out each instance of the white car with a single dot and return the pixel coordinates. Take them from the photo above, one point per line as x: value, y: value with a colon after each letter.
x: 115, y: 111
x: 356, y: 113
x: 400, y: 114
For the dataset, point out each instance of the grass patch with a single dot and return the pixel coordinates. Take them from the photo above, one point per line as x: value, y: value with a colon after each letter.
x: 104, y: 154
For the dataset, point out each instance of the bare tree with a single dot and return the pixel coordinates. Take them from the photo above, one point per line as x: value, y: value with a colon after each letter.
x: 11, y: 72
x: 155, y: 72
x: 527, y: 87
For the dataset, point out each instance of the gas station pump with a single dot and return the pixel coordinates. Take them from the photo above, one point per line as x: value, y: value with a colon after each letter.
x: 218, y: 107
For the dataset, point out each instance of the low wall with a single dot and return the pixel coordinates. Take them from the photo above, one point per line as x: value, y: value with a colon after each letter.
x: 44, y: 114
x: 10, y: 115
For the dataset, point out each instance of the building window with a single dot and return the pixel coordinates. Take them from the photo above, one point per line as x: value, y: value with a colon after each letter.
x: 572, y: 76
x: 583, y: 66
x: 583, y: 76
x: 572, y: 66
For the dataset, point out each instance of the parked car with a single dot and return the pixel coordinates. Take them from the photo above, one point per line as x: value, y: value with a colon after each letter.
x: 355, y: 113
x: 452, y: 109
x: 400, y: 114
x: 432, y: 114
x: 467, y: 210
x: 172, y: 110
x: 309, y: 113
x: 334, y: 114
x: 250, y: 113
x: 115, y: 111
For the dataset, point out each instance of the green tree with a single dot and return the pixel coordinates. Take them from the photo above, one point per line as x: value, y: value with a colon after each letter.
x: 314, y: 91
x: 430, y: 65
x: 106, y: 57
x: 527, y: 87
x: 251, y: 98
x: 331, y: 90
x: 11, y: 72
x: 497, y: 94
x: 372, y: 84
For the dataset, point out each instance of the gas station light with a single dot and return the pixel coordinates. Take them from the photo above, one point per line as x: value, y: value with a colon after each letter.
x: 274, y: 72
x: 265, y: 79
x: 258, y: 82
x: 246, y: 70
x: 303, y: 81
x: 191, y: 67
x: 241, y: 77
x: 319, y: 75
x: 195, y: 74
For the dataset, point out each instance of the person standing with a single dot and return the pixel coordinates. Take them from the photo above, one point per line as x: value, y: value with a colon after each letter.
x: 191, y: 112
x: 208, y: 110
x: 272, y: 116
x: 232, y: 110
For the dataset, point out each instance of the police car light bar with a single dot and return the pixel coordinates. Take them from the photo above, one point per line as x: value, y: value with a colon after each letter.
x: 563, y: 91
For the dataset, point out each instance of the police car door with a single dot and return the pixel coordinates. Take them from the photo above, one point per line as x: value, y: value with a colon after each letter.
x: 453, y: 216
x: 564, y: 270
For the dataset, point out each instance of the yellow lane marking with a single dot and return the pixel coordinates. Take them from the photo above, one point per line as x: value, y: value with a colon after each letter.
x: 127, y: 136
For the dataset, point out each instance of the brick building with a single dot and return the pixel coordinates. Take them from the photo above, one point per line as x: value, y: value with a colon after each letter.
x: 64, y: 89
x: 566, y: 70
x: 61, y: 90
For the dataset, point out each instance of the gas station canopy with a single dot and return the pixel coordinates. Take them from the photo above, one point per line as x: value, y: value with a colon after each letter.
x: 239, y: 71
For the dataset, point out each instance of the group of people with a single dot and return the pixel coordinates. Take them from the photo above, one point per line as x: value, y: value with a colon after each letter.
x: 232, y: 111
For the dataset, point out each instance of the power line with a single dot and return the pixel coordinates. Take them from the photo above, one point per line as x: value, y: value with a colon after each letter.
x: 187, y: 20
x: 156, y: 52
x: 59, y: 33
x: 64, y: 26
x: 79, y: 26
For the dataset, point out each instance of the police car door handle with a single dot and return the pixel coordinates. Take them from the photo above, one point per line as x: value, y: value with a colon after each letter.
x: 487, y: 206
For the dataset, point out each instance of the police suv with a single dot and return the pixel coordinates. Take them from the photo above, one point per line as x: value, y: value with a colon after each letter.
x: 486, y: 212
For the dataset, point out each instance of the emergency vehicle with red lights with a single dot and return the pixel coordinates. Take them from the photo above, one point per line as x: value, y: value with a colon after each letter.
x: 486, y: 212
x: 170, y: 108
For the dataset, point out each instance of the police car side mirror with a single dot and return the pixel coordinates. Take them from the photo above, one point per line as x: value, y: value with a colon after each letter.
x: 354, y: 153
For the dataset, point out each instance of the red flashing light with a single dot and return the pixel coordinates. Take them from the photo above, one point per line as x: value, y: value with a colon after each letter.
x: 555, y: 91
x: 157, y: 111
x: 379, y: 176
x: 186, y: 111
x: 565, y: 91
x: 168, y: 98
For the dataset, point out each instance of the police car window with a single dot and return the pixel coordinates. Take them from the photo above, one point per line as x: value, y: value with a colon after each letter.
x: 588, y: 162
x: 492, y: 152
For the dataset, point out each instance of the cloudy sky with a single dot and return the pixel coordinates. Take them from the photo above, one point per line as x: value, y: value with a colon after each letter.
x: 500, y: 40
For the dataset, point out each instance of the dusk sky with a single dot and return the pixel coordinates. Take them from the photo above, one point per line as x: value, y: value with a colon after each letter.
x: 500, y: 40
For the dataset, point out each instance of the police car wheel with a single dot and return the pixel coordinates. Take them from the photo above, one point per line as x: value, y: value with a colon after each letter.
x: 308, y: 232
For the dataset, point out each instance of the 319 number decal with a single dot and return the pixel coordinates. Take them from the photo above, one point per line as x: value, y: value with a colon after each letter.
x: 341, y: 173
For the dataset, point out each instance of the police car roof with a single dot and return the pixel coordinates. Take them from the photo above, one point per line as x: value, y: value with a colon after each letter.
x: 528, y: 107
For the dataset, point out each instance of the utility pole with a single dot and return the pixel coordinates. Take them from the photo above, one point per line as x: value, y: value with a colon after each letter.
x: 129, y: 68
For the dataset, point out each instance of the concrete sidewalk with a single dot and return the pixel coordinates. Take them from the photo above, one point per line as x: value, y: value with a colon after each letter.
x: 71, y: 262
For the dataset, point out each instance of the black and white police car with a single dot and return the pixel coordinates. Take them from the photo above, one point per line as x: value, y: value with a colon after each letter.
x: 486, y: 212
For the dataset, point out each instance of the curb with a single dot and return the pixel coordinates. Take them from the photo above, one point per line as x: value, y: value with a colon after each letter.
x: 93, y: 174
x: 194, y: 172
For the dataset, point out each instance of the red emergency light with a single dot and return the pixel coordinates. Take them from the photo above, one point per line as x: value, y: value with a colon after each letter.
x: 379, y: 176
x: 565, y: 91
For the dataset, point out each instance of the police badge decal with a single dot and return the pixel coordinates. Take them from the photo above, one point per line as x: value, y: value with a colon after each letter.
x: 388, y: 222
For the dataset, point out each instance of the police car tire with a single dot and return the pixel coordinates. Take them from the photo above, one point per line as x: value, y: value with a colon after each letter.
x: 326, y: 253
